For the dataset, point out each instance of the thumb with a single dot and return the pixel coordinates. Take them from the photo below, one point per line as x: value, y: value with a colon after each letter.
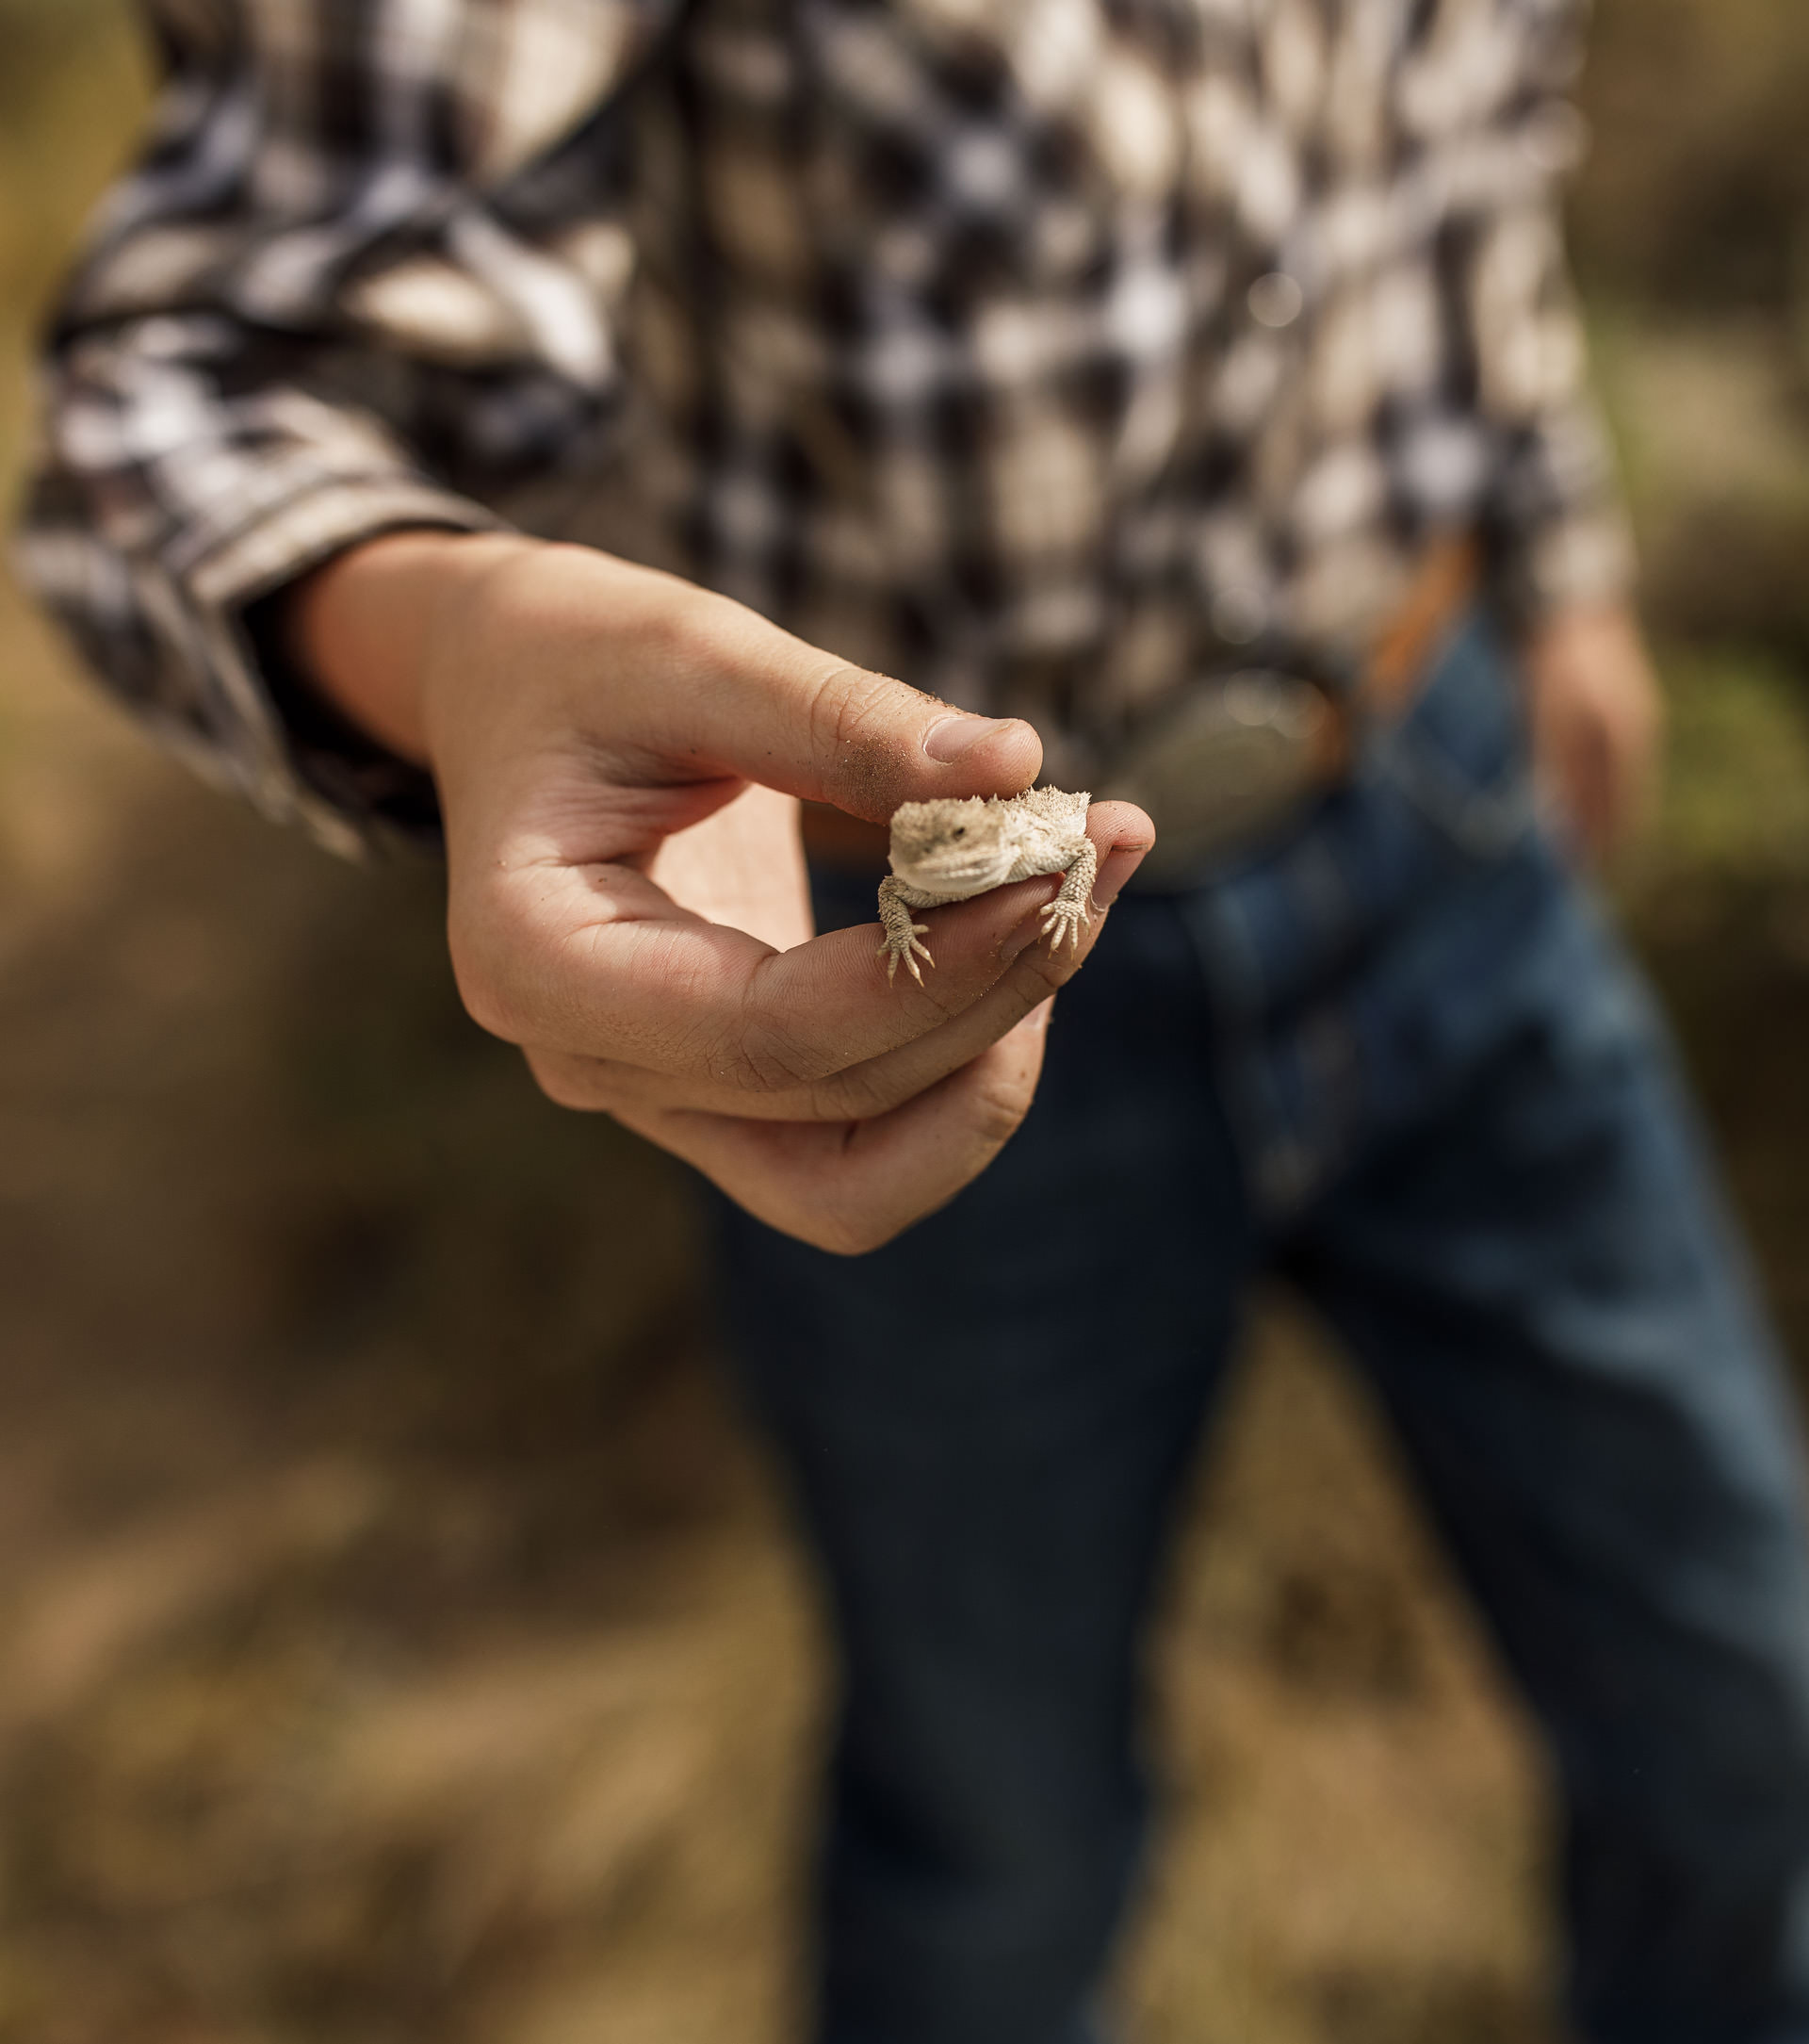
x: 867, y: 743
x: 769, y: 707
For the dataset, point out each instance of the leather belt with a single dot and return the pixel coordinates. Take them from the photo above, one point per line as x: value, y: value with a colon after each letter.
x: 1238, y: 757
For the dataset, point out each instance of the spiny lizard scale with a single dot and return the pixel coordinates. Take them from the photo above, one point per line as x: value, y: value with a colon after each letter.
x: 955, y: 848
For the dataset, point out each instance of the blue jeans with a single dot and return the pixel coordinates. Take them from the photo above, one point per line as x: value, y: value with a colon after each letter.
x: 1401, y: 1063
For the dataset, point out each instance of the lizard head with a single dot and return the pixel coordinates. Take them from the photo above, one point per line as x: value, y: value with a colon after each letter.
x: 953, y: 847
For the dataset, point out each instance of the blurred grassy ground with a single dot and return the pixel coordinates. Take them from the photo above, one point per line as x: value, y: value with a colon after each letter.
x: 397, y: 1637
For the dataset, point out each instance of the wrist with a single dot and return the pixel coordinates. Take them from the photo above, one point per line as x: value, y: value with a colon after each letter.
x: 361, y: 628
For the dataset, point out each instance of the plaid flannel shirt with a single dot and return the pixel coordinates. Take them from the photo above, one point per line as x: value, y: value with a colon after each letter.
x: 1035, y: 350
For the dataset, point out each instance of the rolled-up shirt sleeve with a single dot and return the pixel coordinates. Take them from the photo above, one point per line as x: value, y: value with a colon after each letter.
x: 365, y: 272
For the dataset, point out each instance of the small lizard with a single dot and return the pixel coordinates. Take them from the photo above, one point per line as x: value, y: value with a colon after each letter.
x: 946, y: 851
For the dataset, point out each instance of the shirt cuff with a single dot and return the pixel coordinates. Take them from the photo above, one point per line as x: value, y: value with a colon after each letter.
x: 290, y: 750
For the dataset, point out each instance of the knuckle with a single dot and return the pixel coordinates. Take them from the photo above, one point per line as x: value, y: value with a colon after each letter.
x: 848, y: 1212
x: 482, y: 989
x: 491, y: 949
x: 847, y: 1233
x: 1001, y: 1088
x: 762, y: 1057
x: 848, y: 712
x: 854, y: 1095
x: 767, y: 1050
x: 999, y: 1111
x: 565, y: 1082
x: 939, y: 996
x: 1044, y: 968
x: 676, y: 638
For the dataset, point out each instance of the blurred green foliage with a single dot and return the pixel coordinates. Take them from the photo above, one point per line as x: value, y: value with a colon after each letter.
x: 1740, y: 803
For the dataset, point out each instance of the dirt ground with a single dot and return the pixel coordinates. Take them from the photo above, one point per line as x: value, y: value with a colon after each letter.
x: 402, y: 1639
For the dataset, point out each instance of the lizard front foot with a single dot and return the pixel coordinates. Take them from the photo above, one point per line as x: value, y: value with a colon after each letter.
x: 900, y: 943
x: 902, y: 934
x: 1064, y: 921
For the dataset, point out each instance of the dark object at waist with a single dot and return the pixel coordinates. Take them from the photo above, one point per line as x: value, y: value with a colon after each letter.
x: 1247, y: 750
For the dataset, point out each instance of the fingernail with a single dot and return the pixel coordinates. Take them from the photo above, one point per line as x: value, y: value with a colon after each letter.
x: 955, y: 735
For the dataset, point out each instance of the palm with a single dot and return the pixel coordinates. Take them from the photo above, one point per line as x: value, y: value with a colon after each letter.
x: 742, y: 867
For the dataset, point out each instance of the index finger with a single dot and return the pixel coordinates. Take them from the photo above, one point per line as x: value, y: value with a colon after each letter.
x: 732, y: 693
x: 606, y: 965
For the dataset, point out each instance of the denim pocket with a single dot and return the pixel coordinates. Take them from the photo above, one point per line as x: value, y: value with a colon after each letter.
x: 1350, y: 967
x: 1438, y: 796
x: 1459, y: 758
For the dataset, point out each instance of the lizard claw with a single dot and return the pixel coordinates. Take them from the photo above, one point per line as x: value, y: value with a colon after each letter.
x: 1064, y: 921
x: 892, y: 951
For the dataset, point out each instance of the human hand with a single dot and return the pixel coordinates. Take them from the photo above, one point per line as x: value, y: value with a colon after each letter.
x: 1597, y: 719
x: 618, y: 755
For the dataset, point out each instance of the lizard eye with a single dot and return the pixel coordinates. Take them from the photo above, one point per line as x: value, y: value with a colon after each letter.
x: 960, y: 831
